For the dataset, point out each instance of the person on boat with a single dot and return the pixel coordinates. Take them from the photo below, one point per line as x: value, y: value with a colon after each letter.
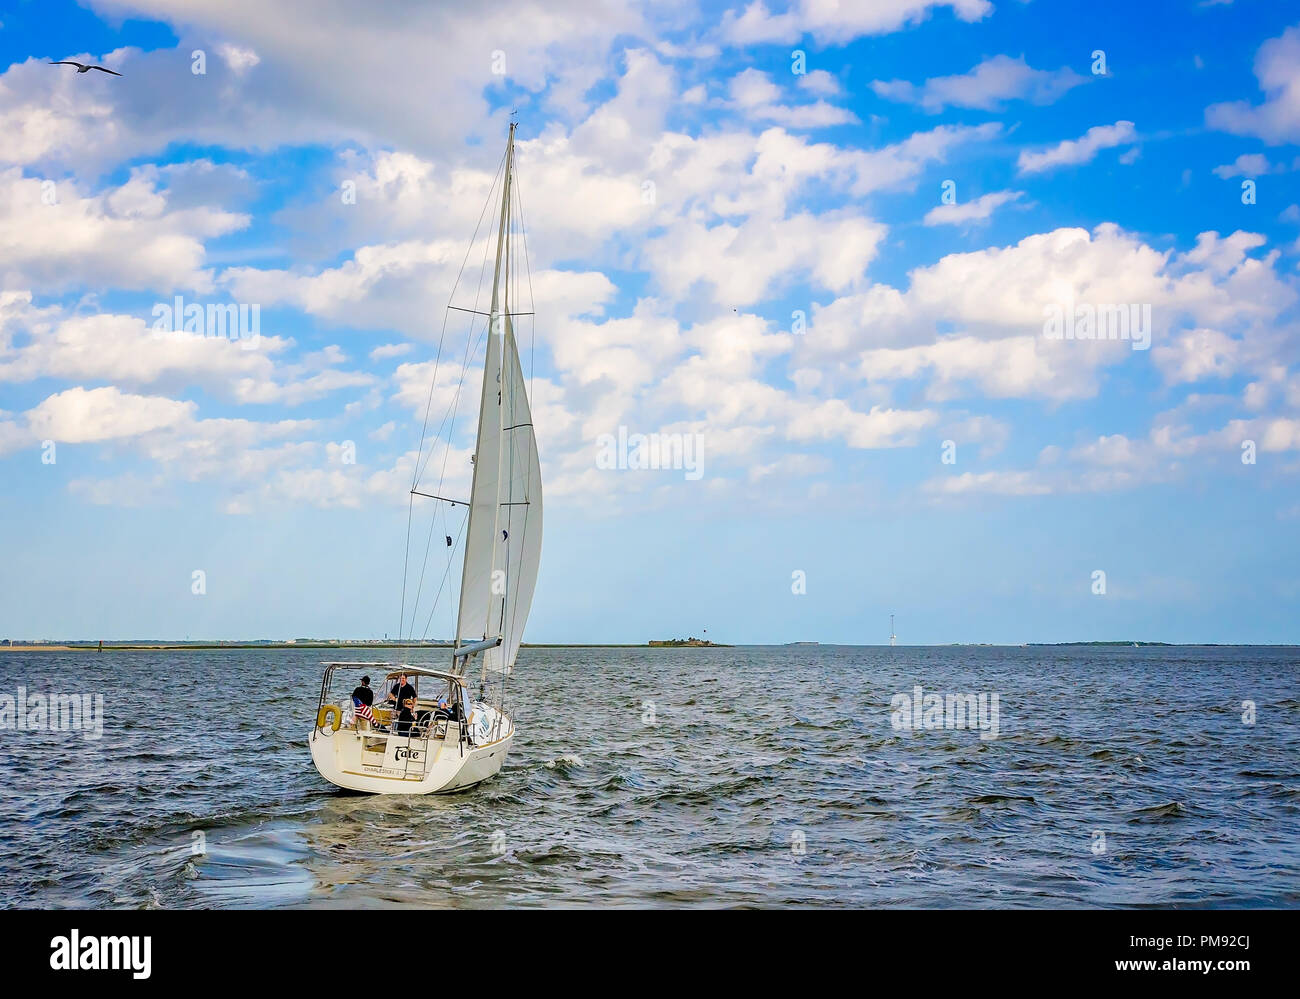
x: 451, y: 709
x: 363, y: 694
x: 362, y: 698
x: 400, y: 691
x: 405, y: 716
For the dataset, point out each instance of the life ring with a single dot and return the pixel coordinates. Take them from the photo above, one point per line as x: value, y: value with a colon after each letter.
x: 322, y: 717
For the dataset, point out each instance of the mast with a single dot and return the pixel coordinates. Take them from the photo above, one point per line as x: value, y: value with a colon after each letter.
x: 501, y: 324
x: 495, y: 329
x: 892, y: 637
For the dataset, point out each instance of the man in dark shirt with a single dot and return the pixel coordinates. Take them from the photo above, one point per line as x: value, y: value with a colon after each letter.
x: 400, y: 691
x: 363, y: 694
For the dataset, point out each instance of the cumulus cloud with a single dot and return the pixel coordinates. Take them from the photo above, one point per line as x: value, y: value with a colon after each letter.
x: 1073, y: 152
x: 740, y: 265
x: 128, y: 350
x: 1111, y: 462
x: 993, y: 302
x: 967, y: 212
x: 264, y: 86
x: 837, y: 23
x: 754, y: 95
x: 53, y: 237
x: 987, y: 87
x: 1245, y: 165
x: 821, y: 83
x: 1277, y: 119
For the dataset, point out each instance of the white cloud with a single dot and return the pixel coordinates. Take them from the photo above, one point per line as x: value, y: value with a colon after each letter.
x: 836, y: 23
x: 1112, y: 462
x: 52, y: 237
x: 295, y: 92
x: 1198, y: 354
x: 79, y: 415
x: 754, y: 95
x: 1245, y: 165
x: 994, y: 302
x: 126, y: 350
x: 741, y: 265
x: 1072, y: 152
x: 1277, y: 120
x: 995, y: 483
x: 238, y: 59
x: 986, y: 87
x: 385, y: 351
x: 966, y: 212
x: 821, y: 83
x: 405, y: 286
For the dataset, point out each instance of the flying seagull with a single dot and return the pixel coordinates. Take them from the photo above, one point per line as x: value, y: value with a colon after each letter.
x: 83, y: 68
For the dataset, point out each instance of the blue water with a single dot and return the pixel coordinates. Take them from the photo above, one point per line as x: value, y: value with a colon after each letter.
x: 717, y: 777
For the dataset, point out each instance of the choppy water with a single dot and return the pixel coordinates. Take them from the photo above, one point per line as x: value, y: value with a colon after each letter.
x: 756, y: 753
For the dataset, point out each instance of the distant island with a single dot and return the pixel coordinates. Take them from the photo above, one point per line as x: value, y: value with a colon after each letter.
x: 692, y: 642
x: 1131, y: 644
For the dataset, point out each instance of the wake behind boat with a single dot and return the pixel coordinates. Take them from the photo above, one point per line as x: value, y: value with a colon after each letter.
x: 426, y: 733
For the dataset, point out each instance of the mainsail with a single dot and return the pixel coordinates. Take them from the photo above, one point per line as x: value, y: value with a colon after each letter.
x: 504, y: 538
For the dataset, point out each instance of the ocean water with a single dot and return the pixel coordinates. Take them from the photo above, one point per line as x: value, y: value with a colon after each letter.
x: 750, y: 776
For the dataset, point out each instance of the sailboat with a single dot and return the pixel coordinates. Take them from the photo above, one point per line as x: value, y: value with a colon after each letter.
x: 425, y: 729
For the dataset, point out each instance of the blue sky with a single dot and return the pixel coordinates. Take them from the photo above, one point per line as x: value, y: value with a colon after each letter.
x: 774, y: 192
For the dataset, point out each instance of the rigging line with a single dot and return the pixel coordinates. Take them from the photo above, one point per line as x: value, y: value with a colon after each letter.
x: 406, y: 561
x: 425, y: 424
x: 445, y: 499
x: 451, y: 550
x: 438, y: 357
x: 442, y: 474
x: 528, y: 270
x: 459, y: 274
x: 428, y: 543
x: 446, y: 573
x: 478, y: 313
x: 471, y: 347
x: 454, y: 405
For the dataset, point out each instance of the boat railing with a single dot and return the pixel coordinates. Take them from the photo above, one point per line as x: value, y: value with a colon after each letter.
x: 386, y: 725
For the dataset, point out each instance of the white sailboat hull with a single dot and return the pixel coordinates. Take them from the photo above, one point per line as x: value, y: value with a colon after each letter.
x: 385, y: 763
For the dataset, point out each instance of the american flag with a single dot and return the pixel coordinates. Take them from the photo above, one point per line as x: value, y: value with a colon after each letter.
x: 363, y: 710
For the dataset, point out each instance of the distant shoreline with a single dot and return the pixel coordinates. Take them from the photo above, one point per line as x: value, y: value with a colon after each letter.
x: 388, y: 646
x: 317, y: 646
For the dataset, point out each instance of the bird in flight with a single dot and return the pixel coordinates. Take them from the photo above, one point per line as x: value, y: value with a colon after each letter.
x: 83, y: 68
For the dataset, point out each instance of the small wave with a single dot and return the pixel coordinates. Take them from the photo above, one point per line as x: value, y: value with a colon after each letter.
x: 1157, y: 813
x: 962, y: 815
x: 1058, y: 740
x: 570, y: 761
x: 1267, y: 775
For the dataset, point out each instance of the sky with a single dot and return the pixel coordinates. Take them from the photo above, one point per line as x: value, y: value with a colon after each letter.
x: 825, y: 244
